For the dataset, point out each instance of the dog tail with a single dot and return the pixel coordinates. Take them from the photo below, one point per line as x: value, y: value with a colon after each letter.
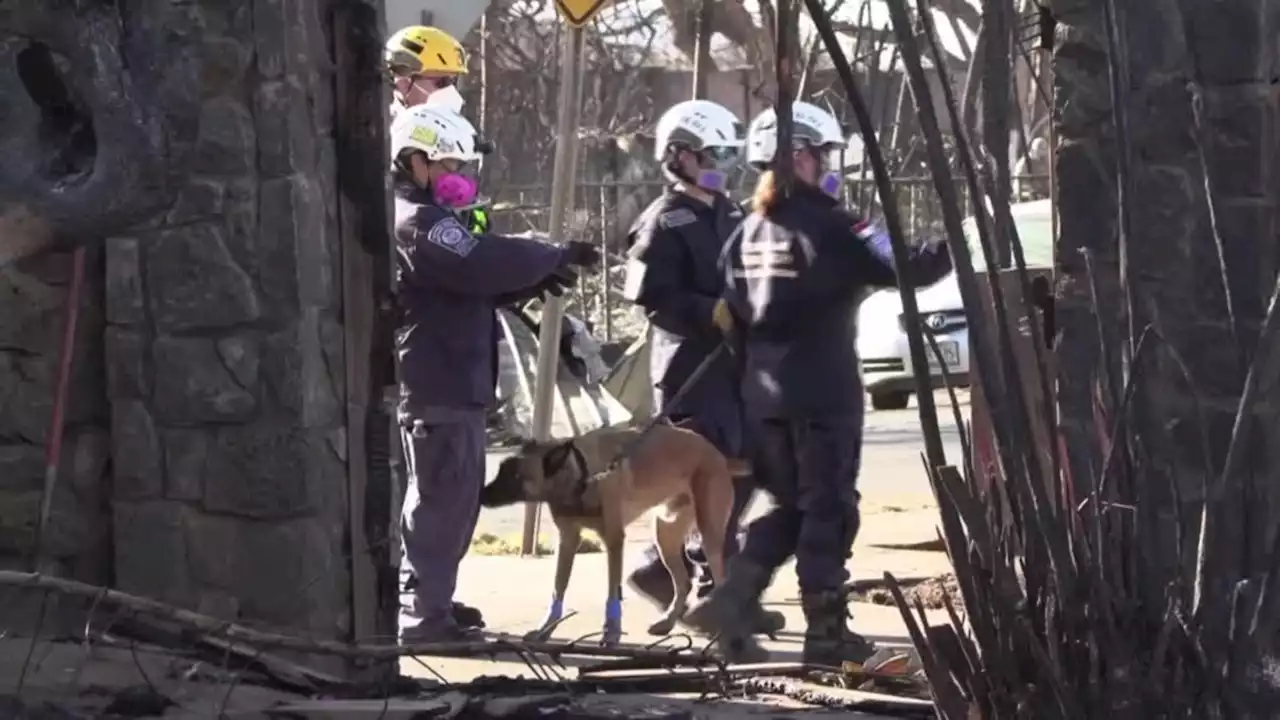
x: 739, y: 468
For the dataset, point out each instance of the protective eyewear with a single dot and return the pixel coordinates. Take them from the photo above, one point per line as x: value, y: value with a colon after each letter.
x: 411, y: 70
x: 721, y: 157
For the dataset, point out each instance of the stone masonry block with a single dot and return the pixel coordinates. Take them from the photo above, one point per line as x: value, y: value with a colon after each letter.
x: 280, y: 37
x: 21, y: 468
x: 128, y: 363
x: 291, y: 574
x: 225, y: 61
x: 1235, y: 40
x: 31, y: 305
x: 270, y: 470
x: 294, y: 266
x: 240, y: 221
x: 299, y: 373
x: 1244, y: 122
x: 286, y: 137
x: 126, y: 304
x: 151, y: 551
x: 201, y: 199
x: 1177, y: 194
x: 185, y: 453
x: 1081, y: 215
x: 193, y: 282
x: 19, y: 515
x: 136, y: 454
x: 195, y: 383
x: 1244, y: 223
x: 226, y: 143
x: 25, y: 396
x: 77, y: 523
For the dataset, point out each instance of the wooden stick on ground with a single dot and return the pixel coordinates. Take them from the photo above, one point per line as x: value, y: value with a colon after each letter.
x: 231, y: 631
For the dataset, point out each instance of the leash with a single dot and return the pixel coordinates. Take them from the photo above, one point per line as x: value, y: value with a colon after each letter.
x: 661, y: 417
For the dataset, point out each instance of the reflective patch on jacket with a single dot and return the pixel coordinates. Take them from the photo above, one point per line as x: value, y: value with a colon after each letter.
x: 677, y: 217
x: 450, y: 235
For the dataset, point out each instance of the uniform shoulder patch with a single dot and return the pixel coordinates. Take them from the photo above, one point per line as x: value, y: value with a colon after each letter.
x: 449, y: 234
x: 677, y: 217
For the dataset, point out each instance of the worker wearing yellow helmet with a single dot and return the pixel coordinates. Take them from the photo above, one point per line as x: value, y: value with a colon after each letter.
x: 424, y: 65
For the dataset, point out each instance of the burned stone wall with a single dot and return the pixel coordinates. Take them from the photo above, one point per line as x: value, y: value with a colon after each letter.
x: 224, y: 348
x: 77, y: 540
x: 207, y: 432
x: 1203, y: 105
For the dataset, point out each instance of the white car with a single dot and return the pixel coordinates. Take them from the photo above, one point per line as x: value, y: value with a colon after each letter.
x: 882, y: 337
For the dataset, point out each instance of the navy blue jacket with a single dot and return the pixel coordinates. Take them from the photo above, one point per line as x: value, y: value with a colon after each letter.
x: 794, y: 281
x: 673, y: 273
x: 449, y: 283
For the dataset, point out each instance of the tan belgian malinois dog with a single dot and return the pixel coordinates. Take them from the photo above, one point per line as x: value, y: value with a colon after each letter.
x: 604, y: 481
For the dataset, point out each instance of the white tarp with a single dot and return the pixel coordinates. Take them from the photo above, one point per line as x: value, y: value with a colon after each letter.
x: 581, y: 404
x: 629, y: 382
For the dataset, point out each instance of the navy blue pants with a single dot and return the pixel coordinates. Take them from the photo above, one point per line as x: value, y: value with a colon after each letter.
x: 726, y: 434
x: 444, y: 464
x: 810, y: 467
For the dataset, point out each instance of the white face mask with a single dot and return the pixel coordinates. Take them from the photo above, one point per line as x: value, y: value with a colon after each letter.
x: 448, y: 98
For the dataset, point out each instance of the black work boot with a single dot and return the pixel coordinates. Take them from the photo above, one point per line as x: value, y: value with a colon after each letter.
x: 768, y: 622
x: 467, y: 616
x: 652, y: 582
x: 828, y: 641
x: 732, y: 611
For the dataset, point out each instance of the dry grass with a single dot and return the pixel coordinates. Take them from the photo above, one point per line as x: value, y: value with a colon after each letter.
x: 489, y: 544
x: 929, y: 592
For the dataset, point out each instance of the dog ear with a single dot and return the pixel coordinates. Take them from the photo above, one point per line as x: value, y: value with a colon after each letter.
x: 556, y: 457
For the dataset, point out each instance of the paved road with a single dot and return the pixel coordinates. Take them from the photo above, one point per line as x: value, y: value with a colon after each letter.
x: 892, y: 470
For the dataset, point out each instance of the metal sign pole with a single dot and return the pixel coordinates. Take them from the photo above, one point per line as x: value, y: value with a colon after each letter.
x: 553, y: 307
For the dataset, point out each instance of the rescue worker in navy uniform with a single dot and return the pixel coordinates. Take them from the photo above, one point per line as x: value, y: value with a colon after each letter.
x: 425, y: 66
x: 795, y: 273
x: 449, y: 282
x: 672, y: 274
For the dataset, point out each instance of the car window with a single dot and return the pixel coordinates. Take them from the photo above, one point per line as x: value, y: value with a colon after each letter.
x: 1035, y: 232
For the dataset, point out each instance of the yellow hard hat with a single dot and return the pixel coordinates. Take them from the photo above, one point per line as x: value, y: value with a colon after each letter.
x: 420, y: 49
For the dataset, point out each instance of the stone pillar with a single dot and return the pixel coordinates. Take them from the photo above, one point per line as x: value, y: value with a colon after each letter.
x: 224, y: 345
x: 1204, y: 112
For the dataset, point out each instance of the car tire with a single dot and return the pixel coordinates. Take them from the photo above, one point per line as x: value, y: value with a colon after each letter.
x: 890, y: 400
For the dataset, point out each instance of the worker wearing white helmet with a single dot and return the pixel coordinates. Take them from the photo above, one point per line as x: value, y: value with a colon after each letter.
x: 675, y: 244
x: 795, y: 274
x: 448, y: 284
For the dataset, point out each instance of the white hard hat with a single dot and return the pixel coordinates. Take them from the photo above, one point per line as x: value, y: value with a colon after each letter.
x: 811, y: 126
x: 698, y: 125
x: 440, y: 133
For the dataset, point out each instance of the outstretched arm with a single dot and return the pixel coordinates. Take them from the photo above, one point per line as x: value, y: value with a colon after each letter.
x: 445, y: 255
x: 867, y: 255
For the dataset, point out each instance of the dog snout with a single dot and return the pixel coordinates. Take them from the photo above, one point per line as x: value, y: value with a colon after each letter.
x: 506, y: 488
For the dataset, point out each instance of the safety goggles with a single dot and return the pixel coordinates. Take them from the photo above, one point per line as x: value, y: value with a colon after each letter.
x: 830, y: 157
x: 719, y: 157
x: 403, y: 66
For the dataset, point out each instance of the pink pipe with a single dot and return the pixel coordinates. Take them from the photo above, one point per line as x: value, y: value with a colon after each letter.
x: 53, y: 443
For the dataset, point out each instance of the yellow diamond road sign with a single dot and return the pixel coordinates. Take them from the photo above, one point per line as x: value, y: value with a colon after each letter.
x: 578, y: 12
